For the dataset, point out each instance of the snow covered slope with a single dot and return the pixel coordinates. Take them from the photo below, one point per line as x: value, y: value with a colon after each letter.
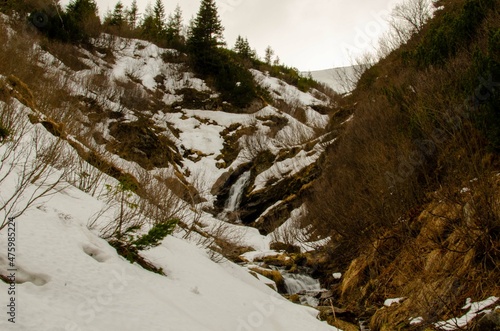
x: 62, y: 276
x: 70, y: 279
x: 341, y: 80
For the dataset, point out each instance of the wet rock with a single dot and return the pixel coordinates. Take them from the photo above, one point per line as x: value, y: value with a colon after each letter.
x: 289, y: 248
x: 273, y: 275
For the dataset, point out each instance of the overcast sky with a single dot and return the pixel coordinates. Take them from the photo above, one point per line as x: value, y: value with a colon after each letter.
x: 306, y: 34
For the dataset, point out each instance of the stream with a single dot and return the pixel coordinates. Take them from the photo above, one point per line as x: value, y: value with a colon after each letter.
x: 304, y: 285
x: 230, y: 212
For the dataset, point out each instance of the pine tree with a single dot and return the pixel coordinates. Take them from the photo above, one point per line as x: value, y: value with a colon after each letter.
x: 117, y: 18
x: 133, y: 15
x: 207, y: 30
x: 159, y: 17
x: 269, y: 53
x: 242, y: 48
x: 153, y: 24
x: 174, y: 28
x: 82, y: 20
x: 276, y: 61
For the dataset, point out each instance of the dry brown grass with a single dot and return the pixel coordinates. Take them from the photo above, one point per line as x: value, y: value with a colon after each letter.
x: 392, y: 193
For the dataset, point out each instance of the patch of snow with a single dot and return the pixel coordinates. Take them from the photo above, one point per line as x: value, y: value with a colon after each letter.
x: 416, y: 321
x: 348, y: 120
x: 475, y: 308
x: 315, y: 119
x: 468, y: 304
x: 283, y: 91
x: 287, y: 167
x: 390, y: 302
x: 255, y: 255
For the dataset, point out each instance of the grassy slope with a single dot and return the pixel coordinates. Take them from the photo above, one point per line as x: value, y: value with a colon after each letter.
x: 410, y: 191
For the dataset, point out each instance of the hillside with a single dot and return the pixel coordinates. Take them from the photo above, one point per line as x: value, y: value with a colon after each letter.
x: 149, y: 181
x: 409, y: 191
x: 108, y: 144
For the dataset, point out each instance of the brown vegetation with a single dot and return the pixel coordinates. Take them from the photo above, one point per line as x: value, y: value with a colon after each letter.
x: 408, y: 193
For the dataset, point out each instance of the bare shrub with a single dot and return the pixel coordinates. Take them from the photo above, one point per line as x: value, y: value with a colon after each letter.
x: 86, y: 177
x: 225, y: 242
x: 291, y: 233
x: 294, y: 135
x: 31, y: 157
x: 406, y: 19
x: 127, y: 218
x: 253, y: 145
x: 158, y: 202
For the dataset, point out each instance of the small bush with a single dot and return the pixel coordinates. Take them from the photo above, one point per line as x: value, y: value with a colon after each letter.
x: 157, y: 233
x: 131, y: 253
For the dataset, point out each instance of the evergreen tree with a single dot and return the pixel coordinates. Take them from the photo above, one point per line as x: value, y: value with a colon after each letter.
x: 206, y: 31
x: 153, y: 24
x: 276, y: 61
x: 82, y: 20
x: 174, y: 28
x: 242, y: 48
x: 133, y: 15
x: 159, y: 18
x: 234, y: 82
x: 117, y: 17
x: 269, y: 53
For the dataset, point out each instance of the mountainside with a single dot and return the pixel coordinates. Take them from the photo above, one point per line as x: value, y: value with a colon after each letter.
x: 117, y: 142
x: 187, y: 186
x: 409, y: 191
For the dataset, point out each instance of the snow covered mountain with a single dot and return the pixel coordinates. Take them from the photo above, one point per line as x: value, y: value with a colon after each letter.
x: 127, y: 113
x: 341, y: 80
x: 67, y: 278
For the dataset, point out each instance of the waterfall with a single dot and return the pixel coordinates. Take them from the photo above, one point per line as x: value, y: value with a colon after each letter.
x: 236, y: 192
x: 304, y: 285
x: 299, y: 283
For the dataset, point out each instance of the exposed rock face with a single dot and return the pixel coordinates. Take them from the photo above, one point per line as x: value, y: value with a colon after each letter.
x: 138, y: 142
x: 254, y: 204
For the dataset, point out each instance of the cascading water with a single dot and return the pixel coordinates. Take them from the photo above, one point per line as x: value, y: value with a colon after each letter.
x: 235, y: 195
x: 304, y: 285
x: 236, y: 192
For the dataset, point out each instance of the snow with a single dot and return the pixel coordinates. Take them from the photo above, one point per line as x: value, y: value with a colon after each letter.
x: 315, y: 119
x: 282, y: 91
x: 141, y: 66
x: 475, y: 308
x: 292, y: 232
x: 390, y: 302
x: 73, y: 280
x: 287, y: 167
x: 143, y: 61
x: 256, y: 255
x: 337, y: 275
x: 348, y: 120
x: 341, y: 80
x: 416, y: 321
